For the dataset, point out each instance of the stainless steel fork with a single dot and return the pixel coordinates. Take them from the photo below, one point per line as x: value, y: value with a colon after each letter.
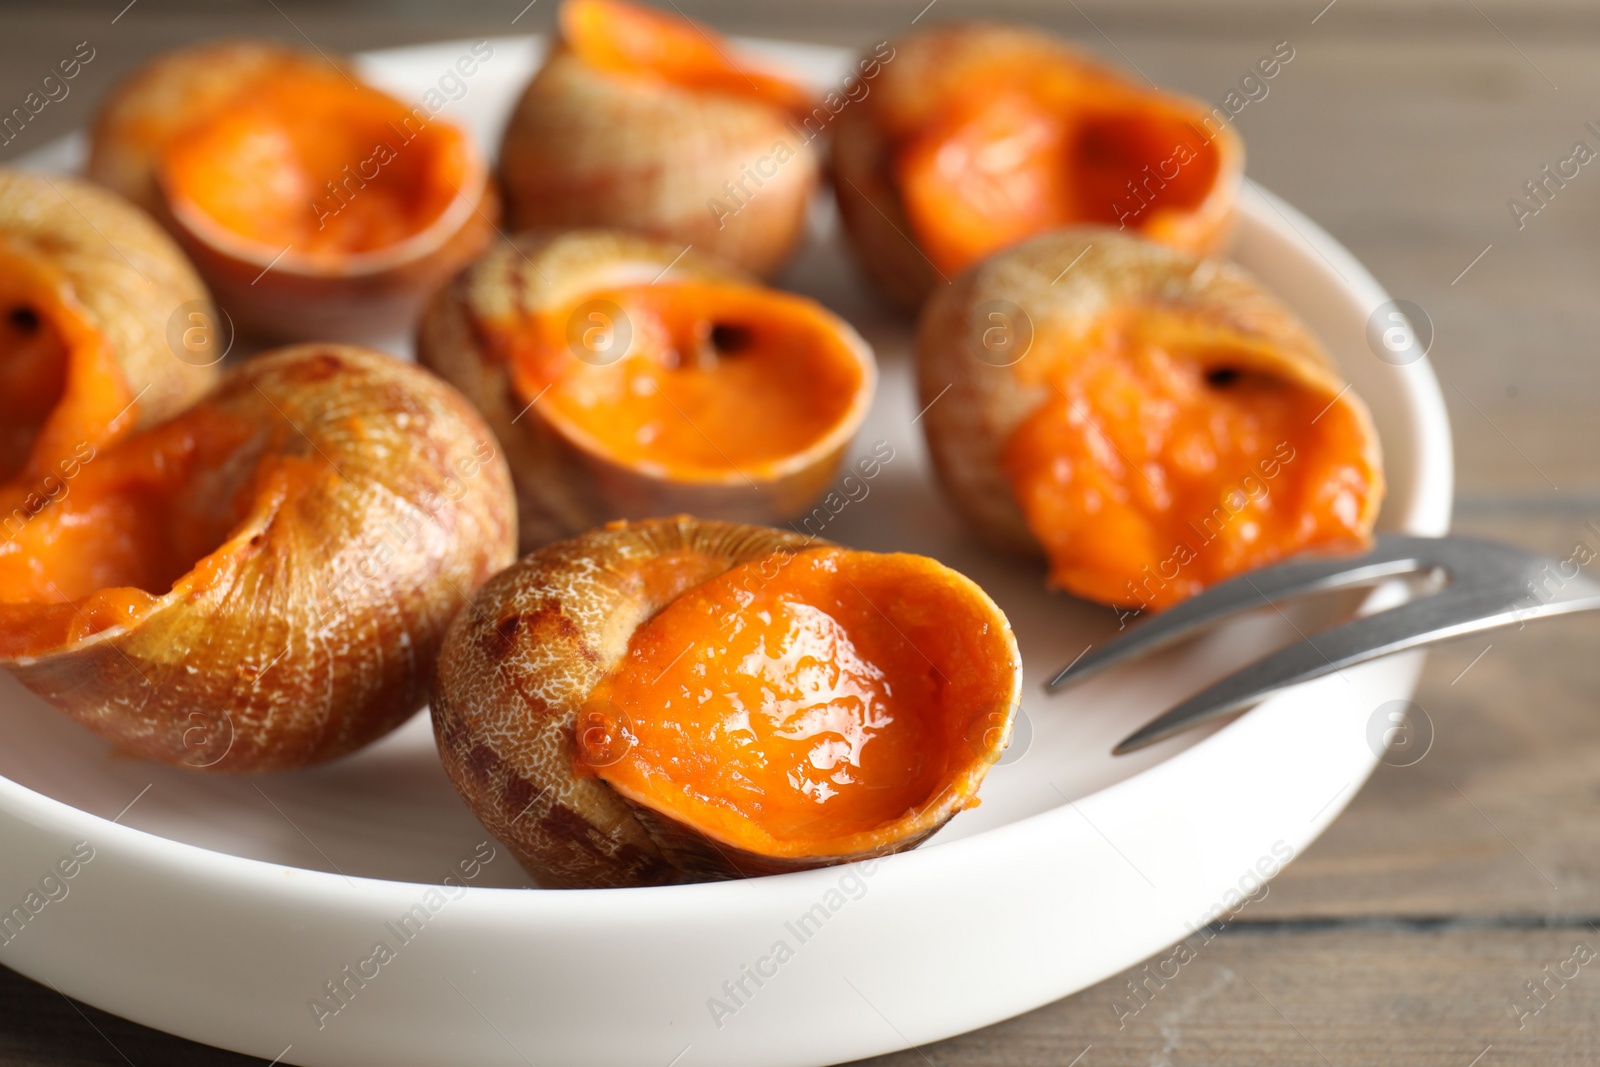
x: 1485, y: 585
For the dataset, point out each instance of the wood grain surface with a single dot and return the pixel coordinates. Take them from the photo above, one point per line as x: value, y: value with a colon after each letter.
x: 1410, y: 933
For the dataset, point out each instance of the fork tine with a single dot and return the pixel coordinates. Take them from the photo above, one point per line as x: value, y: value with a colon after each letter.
x: 1455, y: 612
x: 1394, y: 555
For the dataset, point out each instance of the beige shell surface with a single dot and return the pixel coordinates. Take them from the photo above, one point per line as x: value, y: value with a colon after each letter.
x: 988, y: 398
x: 728, y: 176
x: 373, y: 295
x: 313, y: 629
x: 126, y: 277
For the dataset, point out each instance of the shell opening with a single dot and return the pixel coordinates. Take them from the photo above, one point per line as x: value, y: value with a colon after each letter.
x: 825, y: 703
x: 730, y: 338
x: 1136, y: 167
x: 697, y: 381
x: 1024, y: 158
x: 307, y: 165
x: 1157, y: 465
x: 120, y: 527
x: 59, y: 386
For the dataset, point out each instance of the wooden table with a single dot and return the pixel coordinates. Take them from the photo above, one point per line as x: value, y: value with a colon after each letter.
x: 1410, y: 931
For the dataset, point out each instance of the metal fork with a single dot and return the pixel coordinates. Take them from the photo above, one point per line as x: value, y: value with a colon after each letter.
x: 1486, y: 585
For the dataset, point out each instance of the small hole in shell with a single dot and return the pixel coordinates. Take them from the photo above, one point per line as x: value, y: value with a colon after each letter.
x: 23, y: 319
x: 730, y: 339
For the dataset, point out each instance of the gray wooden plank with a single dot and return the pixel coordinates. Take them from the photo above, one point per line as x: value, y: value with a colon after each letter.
x: 41, y: 1028
x: 1502, y: 815
x: 1352, y: 996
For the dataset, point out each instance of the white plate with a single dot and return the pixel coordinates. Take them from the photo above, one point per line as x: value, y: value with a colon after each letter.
x: 218, y: 908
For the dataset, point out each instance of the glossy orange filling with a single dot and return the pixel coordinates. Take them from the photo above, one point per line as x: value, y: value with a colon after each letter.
x: 623, y: 38
x: 72, y: 519
x: 804, y: 703
x: 307, y: 160
x: 60, y: 389
x: 1157, y: 468
x: 690, y: 380
x: 1021, y: 154
x: 125, y: 523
